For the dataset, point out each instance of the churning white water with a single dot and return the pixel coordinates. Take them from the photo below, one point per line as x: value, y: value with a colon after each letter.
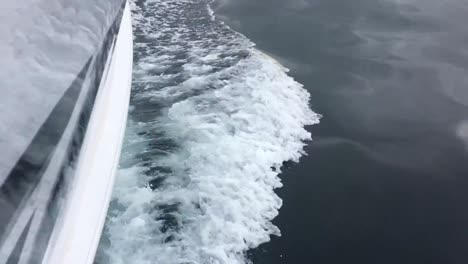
x: 212, y: 121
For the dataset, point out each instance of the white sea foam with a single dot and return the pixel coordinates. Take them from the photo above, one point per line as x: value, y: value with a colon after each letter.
x: 211, y: 11
x: 205, y: 134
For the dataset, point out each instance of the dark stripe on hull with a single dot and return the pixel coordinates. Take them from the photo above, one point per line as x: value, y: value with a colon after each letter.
x: 28, y: 171
x: 15, y: 256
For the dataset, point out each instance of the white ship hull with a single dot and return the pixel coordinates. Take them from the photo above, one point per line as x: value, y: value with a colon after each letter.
x: 66, y: 76
x: 83, y: 219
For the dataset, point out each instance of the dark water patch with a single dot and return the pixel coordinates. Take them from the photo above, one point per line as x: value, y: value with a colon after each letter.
x: 386, y: 176
x: 156, y: 183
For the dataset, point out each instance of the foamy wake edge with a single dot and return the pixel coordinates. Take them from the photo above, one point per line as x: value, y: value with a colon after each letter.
x: 198, y: 175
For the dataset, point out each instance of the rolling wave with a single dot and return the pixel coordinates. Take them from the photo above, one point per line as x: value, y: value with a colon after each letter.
x: 212, y: 120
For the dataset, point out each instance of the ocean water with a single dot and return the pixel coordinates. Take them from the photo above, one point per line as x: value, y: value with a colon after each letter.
x: 217, y: 117
x: 212, y: 121
x: 386, y: 177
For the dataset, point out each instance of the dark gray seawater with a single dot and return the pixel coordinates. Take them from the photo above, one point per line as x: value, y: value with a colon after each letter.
x: 386, y: 179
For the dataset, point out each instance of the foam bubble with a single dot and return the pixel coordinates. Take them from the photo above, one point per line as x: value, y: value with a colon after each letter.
x: 211, y: 117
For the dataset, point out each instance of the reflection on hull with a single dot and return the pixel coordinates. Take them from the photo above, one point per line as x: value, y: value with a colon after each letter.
x: 37, y: 193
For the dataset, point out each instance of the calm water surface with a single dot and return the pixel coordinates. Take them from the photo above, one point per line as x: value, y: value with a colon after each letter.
x: 386, y: 179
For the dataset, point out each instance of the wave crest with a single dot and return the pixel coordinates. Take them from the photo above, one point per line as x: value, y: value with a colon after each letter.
x: 213, y: 119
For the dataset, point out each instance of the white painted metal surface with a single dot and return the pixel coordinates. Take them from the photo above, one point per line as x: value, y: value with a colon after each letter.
x: 77, y: 237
